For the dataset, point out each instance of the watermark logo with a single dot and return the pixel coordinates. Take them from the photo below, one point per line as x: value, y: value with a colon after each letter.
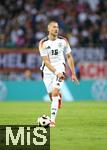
x: 24, y: 137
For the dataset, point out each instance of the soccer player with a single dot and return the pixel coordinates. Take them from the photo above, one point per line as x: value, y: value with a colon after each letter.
x: 53, y: 49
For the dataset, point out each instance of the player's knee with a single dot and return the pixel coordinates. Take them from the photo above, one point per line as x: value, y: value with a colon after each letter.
x: 55, y: 92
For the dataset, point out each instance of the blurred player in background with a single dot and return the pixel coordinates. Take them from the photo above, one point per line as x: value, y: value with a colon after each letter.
x: 52, y: 50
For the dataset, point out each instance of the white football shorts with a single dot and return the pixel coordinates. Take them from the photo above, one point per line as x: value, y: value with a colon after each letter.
x: 51, y: 81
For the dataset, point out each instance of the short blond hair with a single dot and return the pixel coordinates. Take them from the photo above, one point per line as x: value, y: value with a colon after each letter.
x: 51, y: 23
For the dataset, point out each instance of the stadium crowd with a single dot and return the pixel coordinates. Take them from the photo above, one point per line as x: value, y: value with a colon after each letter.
x: 23, y: 22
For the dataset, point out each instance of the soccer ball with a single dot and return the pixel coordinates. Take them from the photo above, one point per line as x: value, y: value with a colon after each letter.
x: 43, y: 121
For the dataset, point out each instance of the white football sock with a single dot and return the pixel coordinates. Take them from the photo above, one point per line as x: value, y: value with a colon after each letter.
x: 54, y: 108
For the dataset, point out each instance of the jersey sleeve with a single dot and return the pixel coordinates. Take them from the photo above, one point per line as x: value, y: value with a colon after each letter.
x: 42, y: 49
x: 67, y: 48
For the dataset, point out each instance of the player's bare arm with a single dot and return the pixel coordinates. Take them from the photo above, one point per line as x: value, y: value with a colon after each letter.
x: 71, y: 65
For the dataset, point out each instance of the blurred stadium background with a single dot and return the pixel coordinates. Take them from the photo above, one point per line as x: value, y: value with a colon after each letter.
x: 81, y: 125
x: 23, y: 23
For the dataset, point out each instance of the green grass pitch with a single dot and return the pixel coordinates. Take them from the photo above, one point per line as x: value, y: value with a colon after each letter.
x: 79, y: 125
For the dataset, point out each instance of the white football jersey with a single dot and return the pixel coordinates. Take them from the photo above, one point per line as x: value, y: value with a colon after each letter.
x: 55, y: 50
